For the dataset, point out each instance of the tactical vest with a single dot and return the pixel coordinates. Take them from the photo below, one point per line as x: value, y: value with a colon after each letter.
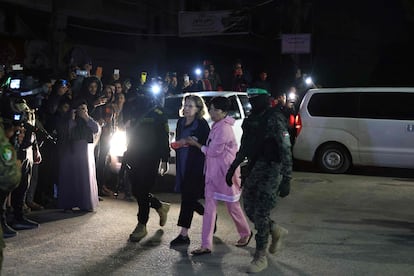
x: 10, y: 172
x: 255, y: 129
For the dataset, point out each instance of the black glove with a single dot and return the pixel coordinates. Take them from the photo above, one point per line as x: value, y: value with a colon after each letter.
x: 284, y: 187
x: 229, y: 176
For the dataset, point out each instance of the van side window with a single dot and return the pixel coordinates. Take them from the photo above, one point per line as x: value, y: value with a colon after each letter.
x: 246, y: 104
x: 391, y: 105
x: 334, y: 105
x: 234, y: 108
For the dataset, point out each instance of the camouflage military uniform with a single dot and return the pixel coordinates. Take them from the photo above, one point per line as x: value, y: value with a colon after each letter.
x: 10, y: 174
x: 266, y: 145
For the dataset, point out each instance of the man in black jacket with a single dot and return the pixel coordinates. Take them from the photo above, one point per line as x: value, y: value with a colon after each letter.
x: 147, y: 130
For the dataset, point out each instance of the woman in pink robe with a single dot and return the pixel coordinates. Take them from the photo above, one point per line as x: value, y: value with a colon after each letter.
x: 220, y: 151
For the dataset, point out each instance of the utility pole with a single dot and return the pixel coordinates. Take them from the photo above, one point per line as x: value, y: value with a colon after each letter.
x: 296, y: 26
x: 58, y: 22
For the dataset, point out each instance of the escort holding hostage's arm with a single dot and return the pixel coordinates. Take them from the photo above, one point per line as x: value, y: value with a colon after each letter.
x: 266, y: 146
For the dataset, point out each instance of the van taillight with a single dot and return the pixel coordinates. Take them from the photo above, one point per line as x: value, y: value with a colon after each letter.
x: 298, y: 124
x: 291, y: 121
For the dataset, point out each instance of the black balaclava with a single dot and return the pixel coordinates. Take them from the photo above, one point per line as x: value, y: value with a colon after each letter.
x: 259, y: 103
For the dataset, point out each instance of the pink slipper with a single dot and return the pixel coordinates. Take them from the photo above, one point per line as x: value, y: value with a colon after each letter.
x: 201, y: 251
x: 244, y: 241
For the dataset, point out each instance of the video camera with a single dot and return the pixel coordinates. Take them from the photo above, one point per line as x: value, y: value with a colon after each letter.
x: 19, y: 85
x: 19, y: 94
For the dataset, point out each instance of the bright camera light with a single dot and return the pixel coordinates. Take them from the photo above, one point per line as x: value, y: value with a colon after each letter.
x: 118, y: 143
x: 15, y: 83
x: 155, y: 89
x: 198, y: 71
x: 308, y: 80
x: 291, y: 96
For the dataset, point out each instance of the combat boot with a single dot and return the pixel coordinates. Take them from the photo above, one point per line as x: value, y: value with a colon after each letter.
x: 162, y: 212
x: 139, y: 232
x: 277, y: 234
x: 8, y: 232
x: 23, y: 223
x: 259, y: 262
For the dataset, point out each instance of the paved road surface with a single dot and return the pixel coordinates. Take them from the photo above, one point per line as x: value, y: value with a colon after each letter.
x: 338, y: 225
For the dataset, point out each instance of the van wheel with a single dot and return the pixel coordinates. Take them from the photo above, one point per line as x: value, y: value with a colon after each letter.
x: 333, y: 158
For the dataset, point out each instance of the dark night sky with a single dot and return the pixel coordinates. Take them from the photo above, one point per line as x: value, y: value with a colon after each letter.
x: 354, y: 43
x: 363, y: 44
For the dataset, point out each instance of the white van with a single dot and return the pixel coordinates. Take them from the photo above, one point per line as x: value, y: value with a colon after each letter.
x: 341, y: 127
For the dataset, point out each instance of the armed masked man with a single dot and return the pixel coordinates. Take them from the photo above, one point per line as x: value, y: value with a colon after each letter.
x: 265, y: 144
x: 148, y: 144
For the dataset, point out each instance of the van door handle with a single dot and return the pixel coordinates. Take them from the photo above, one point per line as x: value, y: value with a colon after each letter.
x: 410, y: 128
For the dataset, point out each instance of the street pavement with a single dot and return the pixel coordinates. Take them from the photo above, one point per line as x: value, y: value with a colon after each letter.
x: 338, y: 225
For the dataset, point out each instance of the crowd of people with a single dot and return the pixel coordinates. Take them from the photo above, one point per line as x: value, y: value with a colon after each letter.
x: 64, y: 144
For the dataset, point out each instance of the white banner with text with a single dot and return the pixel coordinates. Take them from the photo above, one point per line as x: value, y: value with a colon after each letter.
x: 296, y: 43
x: 213, y: 23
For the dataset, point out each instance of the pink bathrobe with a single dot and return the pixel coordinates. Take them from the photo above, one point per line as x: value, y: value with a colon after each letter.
x: 220, y: 152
